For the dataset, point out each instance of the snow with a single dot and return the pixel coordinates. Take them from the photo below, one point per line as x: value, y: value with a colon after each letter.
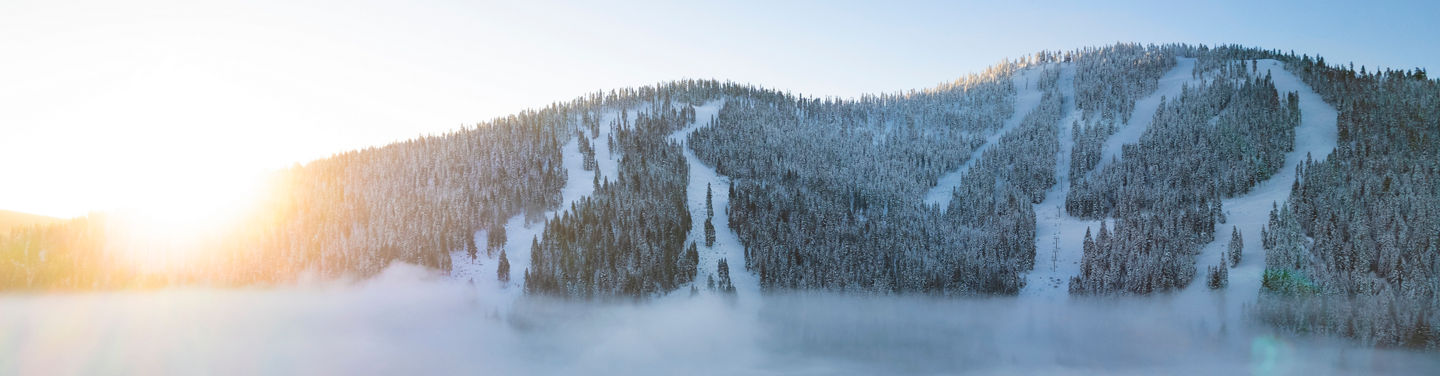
x: 1057, y: 254
x: 520, y: 233
x: 1027, y: 97
x: 608, y: 163
x: 579, y: 183
x: 1170, y: 88
x: 1315, y: 137
x: 406, y: 321
x: 1058, y: 243
x: 727, y: 243
x: 1058, y: 236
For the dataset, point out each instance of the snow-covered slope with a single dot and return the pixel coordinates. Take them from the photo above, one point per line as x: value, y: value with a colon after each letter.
x: 1170, y: 87
x: 727, y: 243
x: 1057, y: 245
x: 1315, y: 138
x: 520, y: 233
x: 1057, y: 234
x: 579, y: 183
x: 1027, y: 97
x: 1054, y: 265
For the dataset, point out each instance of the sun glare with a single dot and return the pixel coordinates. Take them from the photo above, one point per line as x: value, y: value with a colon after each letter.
x: 171, y: 221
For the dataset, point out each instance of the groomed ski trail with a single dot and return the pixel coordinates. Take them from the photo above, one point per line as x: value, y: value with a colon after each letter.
x: 727, y: 243
x: 1169, y: 88
x: 1315, y: 138
x: 1058, y: 236
x: 521, y: 233
x: 1027, y: 98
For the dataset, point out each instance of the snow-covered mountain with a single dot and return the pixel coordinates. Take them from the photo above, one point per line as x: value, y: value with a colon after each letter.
x: 1186, y: 171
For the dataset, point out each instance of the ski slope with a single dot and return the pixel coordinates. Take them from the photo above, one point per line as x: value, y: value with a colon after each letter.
x: 727, y: 243
x: 579, y: 183
x: 1027, y: 97
x: 1315, y: 137
x: 521, y: 232
x: 1058, y: 247
x: 1055, y: 259
x: 1169, y: 88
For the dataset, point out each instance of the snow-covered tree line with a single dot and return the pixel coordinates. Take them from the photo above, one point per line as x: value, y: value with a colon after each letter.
x: 419, y: 199
x: 628, y: 238
x: 1090, y: 140
x: 1023, y: 161
x: 997, y: 194
x: 67, y: 255
x: 352, y: 213
x: 1356, y: 249
x: 1108, y: 80
x: 826, y: 193
x: 357, y: 211
x: 1212, y: 142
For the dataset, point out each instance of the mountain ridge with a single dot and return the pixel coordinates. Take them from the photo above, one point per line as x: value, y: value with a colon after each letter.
x: 835, y: 194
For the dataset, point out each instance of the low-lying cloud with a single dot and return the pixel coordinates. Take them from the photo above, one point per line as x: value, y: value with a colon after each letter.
x: 408, y: 321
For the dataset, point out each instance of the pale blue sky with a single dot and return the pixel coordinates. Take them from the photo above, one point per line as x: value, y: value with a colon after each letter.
x: 122, y: 104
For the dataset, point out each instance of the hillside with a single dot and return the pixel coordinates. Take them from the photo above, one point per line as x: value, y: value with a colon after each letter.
x: 12, y: 219
x: 1178, y: 170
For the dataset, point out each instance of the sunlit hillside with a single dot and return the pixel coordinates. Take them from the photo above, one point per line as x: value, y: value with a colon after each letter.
x: 647, y: 187
x: 11, y: 219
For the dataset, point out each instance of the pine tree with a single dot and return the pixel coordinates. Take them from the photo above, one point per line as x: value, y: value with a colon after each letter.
x: 1219, y: 275
x: 709, y: 206
x: 537, y: 258
x: 692, y: 261
x: 709, y: 233
x: 502, y: 271
x: 470, y: 246
x: 1265, y: 241
x: 1237, y: 244
x: 496, y: 238
x: 724, y: 284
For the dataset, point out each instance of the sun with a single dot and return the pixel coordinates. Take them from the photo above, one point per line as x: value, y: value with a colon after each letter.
x: 169, y: 221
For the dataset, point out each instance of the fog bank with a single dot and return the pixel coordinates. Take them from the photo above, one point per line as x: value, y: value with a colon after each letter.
x: 408, y: 321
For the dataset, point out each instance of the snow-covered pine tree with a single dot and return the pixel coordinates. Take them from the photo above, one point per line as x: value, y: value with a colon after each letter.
x: 495, y: 238
x: 1237, y: 245
x: 502, y: 270
x: 470, y: 248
